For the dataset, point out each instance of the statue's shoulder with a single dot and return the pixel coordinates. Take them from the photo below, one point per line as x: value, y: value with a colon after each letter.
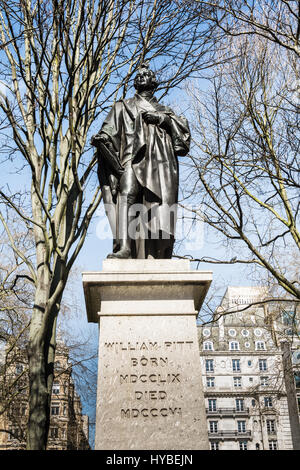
x: 128, y: 101
x: 118, y: 104
x: 162, y: 107
x: 168, y: 109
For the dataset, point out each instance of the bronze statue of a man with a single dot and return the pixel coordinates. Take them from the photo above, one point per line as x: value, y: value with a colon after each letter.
x: 138, y: 146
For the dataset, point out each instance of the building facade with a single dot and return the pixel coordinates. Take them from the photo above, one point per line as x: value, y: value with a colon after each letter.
x: 69, y: 428
x: 248, y: 406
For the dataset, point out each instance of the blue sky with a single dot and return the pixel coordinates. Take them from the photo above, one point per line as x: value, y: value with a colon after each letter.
x: 95, y: 250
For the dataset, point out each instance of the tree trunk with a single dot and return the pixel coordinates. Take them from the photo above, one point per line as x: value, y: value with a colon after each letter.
x: 39, y: 399
x: 41, y: 355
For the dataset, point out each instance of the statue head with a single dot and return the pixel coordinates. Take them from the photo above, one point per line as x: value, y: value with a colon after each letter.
x: 145, y: 78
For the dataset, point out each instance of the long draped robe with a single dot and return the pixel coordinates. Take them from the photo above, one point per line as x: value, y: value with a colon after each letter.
x: 152, y: 150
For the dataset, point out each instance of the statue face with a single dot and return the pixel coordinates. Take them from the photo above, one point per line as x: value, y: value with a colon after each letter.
x: 144, y: 80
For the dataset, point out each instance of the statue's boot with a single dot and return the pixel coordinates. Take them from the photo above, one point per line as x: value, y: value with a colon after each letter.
x: 123, y: 253
x: 125, y: 242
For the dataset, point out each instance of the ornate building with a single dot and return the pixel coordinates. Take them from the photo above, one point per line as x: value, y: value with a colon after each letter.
x: 248, y: 379
x: 69, y: 429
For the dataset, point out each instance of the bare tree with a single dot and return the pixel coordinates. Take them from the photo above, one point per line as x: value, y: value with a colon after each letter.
x: 244, y: 165
x: 63, y: 62
x: 17, y: 294
x: 16, y: 300
x: 277, y: 21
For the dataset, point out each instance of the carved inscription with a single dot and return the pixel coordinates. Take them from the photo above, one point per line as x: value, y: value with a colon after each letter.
x: 170, y: 346
x: 146, y: 412
x: 147, y: 371
x: 153, y: 361
x: 150, y: 395
x: 144, y: 378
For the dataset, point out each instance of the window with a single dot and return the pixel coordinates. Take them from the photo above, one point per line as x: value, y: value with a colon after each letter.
x: 213, y: 426
x: 214, y: 445
x: 262, y: 363
x: 19, y: 369
x: 297, y: 379
x: 236, y: 365
x: 271, y: 426
x: 237, y: 381
x: 208, y: 346
x: 18, y: 409
x: 55, y: 388
x: 210, y: 382
x: 234, y: 346
x: 268, y: 402
x: 54, y: 433
x: 253, y: 402
x: 243, y: 445
x: 239, y: 404
x: 212, y: 404
x: 55, y: 409
x: 273, y: 445
x: 264, y: 381
x: 15, y: 433
x: 288, y: 318
x: 260, y: 345
x: 257, y: 447
x: 209, y: 365
x: 241, y: 426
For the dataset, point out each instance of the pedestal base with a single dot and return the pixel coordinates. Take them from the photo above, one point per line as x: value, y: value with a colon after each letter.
x: 149, y: 378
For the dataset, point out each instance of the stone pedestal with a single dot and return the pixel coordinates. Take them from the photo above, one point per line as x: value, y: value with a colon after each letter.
x: 149, y: 392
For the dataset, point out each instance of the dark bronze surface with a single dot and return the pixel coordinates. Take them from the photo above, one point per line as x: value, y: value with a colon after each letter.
x: 138, y: 145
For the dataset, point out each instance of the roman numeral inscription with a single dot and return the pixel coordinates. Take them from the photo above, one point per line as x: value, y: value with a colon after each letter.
x: 152, y: 383
x: 144, y: 378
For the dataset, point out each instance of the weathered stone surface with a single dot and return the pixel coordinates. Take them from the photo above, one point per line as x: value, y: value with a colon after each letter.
x: 149, y: 378
x: 149, y: 287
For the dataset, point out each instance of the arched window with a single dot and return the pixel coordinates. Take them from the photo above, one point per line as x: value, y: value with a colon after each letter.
x: 208, y: 346
x: 260, y: 345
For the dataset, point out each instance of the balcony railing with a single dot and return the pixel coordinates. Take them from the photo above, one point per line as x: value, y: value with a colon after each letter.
x: 229, y: 434
x: 227, y: 411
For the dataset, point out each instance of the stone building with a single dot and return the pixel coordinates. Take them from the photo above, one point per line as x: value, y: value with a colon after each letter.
x: 250, y: 391
x: 69, y: 428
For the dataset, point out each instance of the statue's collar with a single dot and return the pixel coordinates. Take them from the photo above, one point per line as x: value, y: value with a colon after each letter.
x: 147, y: 95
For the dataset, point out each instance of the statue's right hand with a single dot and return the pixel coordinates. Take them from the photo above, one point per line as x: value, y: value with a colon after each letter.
x: 96, y: 139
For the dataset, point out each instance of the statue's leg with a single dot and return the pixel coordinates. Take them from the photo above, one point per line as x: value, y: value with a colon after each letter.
x: 129, y: 190
x: 161, y: 248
